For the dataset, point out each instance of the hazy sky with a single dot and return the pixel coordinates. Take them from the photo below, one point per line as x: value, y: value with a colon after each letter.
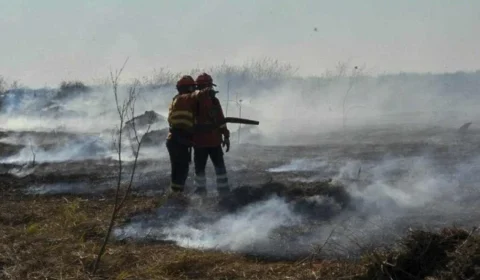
x: 45, y: 42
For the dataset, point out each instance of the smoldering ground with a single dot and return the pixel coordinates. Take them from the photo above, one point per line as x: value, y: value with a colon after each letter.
x: 373, y: 198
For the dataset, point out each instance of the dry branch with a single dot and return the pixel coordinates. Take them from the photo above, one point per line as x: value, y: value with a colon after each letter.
x: 127, y: 105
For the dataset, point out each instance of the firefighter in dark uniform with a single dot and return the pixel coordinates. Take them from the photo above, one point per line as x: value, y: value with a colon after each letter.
x: 209, y: 143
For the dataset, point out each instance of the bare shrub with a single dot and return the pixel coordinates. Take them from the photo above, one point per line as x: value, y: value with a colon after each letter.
x: 122, y: 191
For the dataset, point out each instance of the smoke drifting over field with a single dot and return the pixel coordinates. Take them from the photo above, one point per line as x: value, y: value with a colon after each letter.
x: 286, y: 105
x: 391, y: 146
x: 384, y: 196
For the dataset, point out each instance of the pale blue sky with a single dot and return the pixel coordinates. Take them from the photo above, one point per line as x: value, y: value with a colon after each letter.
x: 45, y: 42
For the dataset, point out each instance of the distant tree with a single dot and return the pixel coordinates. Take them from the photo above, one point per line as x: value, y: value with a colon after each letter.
x: 15, y: 85
x: 73, y: 86
x: 6, y: 86
x: 3, y: 85
x: 70, y: 87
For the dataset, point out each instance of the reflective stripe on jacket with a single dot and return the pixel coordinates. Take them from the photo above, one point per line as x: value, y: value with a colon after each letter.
x: 181, y: 115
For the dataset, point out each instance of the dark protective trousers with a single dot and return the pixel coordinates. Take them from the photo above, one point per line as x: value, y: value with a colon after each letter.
x: 201, y: 155
x: 180, y: 157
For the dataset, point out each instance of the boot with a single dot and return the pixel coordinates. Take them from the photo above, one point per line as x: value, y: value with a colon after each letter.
x: 178, y: 198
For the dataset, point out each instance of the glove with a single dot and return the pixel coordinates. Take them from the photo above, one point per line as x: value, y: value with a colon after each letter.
x: 226, y: 142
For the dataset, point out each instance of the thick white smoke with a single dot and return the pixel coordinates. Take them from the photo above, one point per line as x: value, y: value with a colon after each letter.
x: 252, y: 226
x: 82, y: 148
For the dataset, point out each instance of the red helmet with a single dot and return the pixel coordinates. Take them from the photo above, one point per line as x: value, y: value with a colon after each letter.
x: 185, y: 81
x: 205, y: 80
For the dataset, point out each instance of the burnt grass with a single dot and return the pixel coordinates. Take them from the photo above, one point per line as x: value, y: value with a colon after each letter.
x: 58, y: 236
x: 245, y: 195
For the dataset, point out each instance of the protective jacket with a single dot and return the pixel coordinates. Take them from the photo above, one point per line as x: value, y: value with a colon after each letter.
x: 210, y: 112
x: 181, y: 115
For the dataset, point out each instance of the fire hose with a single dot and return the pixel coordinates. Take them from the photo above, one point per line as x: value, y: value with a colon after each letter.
x: 209, y: 127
